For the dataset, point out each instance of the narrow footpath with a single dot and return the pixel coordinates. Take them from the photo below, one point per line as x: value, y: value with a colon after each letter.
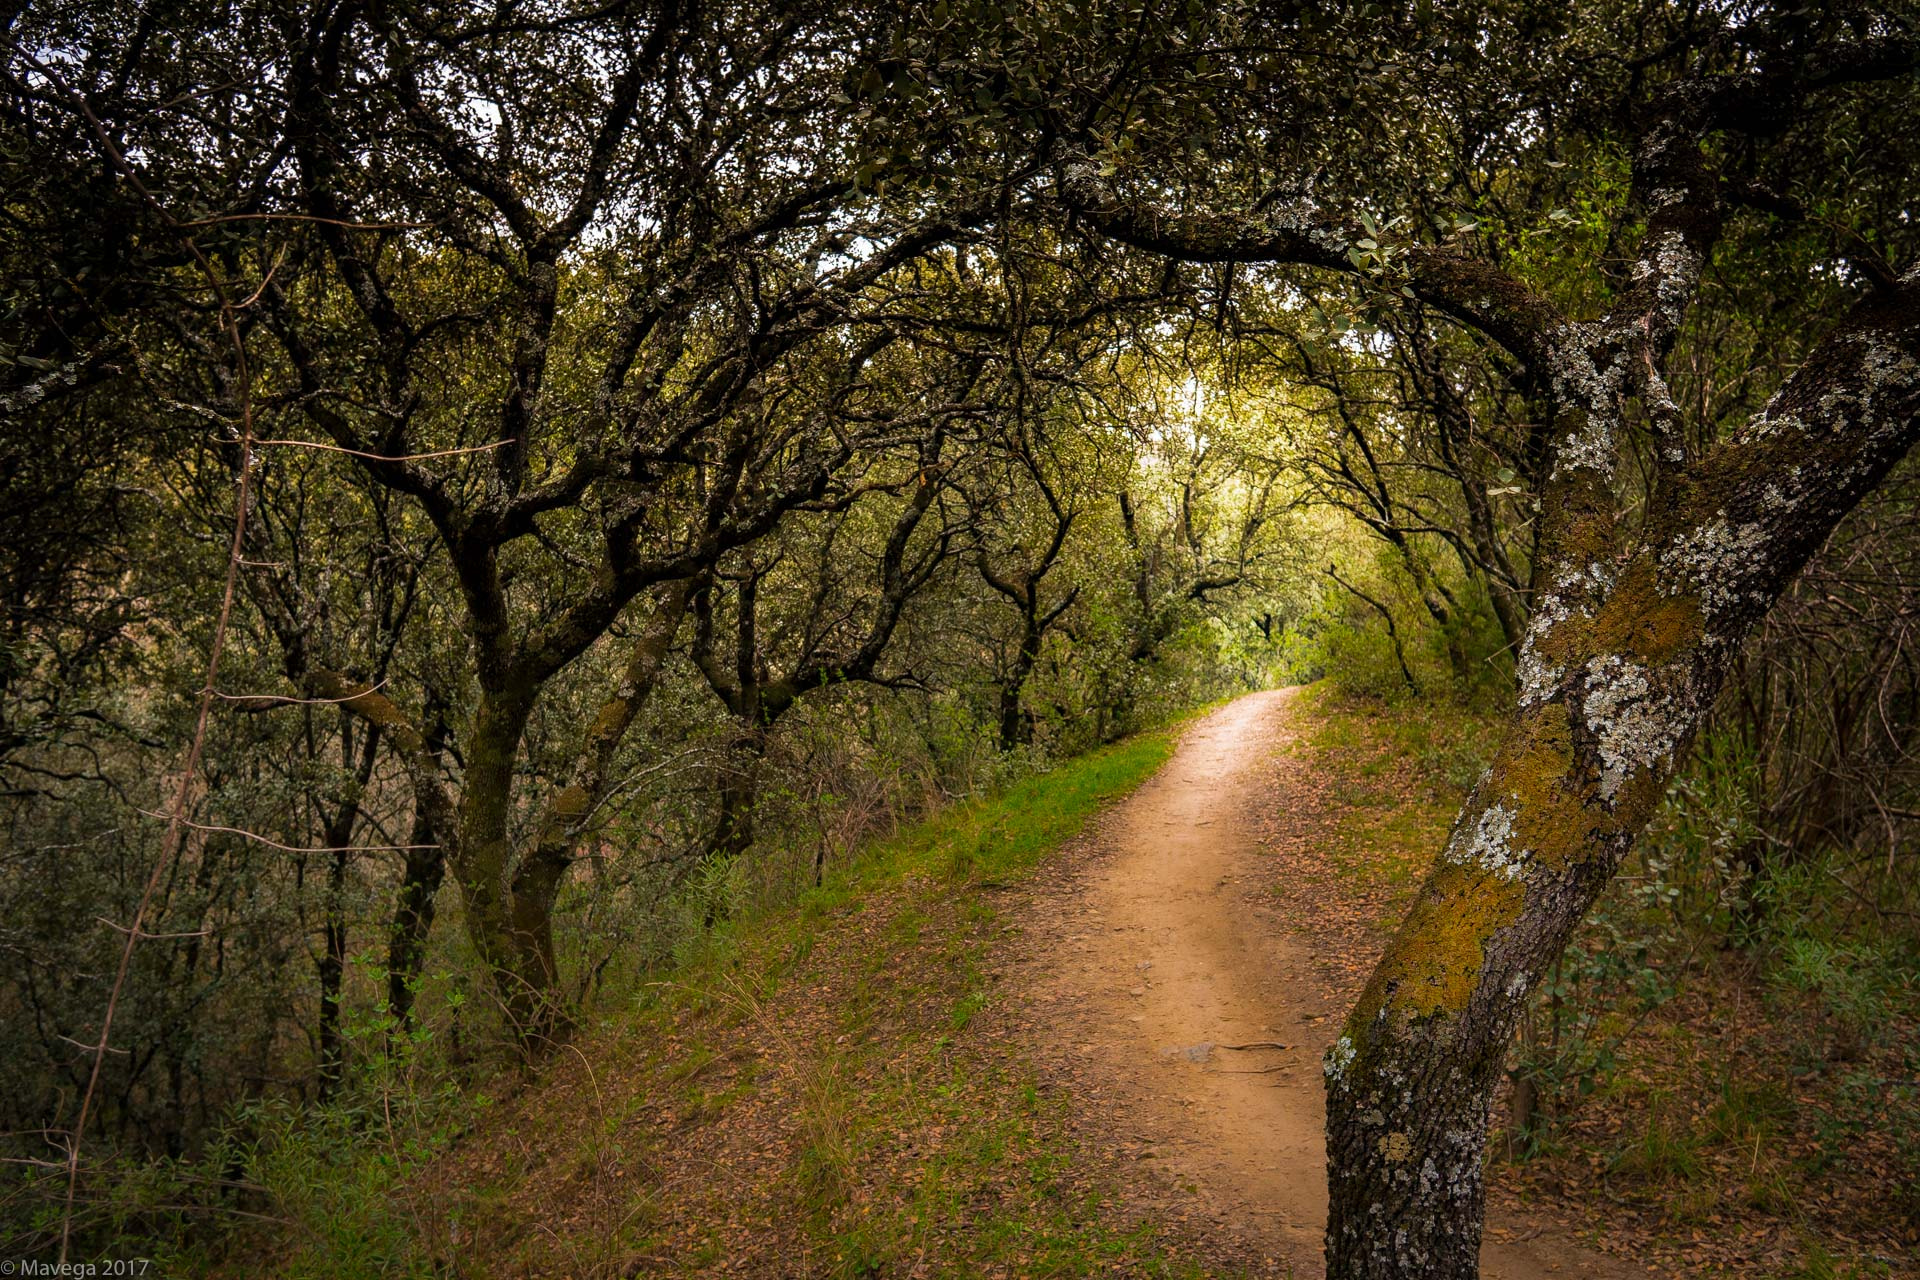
x: 1176, y: 996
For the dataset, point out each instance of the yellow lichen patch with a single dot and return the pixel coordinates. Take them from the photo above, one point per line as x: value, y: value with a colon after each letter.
x: 1396, y: 1147
x: 572, y: 804
x: 1637, y: 798
x: 1641, y: 622
x: 610, y: 720
x: 1551, y: 820
x: 1433, y: 963
x: 1638, y: 622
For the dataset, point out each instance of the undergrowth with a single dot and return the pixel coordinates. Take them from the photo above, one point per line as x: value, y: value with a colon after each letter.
x: 885, y: 1080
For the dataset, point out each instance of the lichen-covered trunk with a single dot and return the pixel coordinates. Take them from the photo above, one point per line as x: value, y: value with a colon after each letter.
x: 1626, y: 650
x: 484, y: 855
x: 535, y: 885
x: 1388, y: 1217
x: 1411, y: 1081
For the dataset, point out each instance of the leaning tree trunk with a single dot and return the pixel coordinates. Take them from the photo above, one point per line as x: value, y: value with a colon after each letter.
x: 535, y: 886
x: 1623, y: 658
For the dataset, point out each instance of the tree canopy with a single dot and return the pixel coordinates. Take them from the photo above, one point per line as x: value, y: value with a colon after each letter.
x: 612, y: 457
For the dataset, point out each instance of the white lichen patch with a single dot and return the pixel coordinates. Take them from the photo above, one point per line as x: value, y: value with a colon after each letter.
x: 1860, y: 402
x: 1537, y: 679
x: 1678, y: 267
x: 1594, y: 388
x: 1302, y: 218
x: 1886, y: 366
x: 1338, y: 1059
x: 1716, y: 561
x: 1634, y: 726
x: 1572, y: 594
x: 1768, y: 423
x: 1594, y: 580
x: 1490, y: 844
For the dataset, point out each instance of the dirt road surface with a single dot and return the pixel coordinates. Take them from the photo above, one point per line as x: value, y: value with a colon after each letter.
x: 1167, y: 946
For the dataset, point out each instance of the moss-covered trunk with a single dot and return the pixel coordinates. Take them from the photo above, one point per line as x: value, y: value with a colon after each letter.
x: 1629, y: 644
x: 534, y: 888
x: 483, y: 854
x: 1411, y: 1080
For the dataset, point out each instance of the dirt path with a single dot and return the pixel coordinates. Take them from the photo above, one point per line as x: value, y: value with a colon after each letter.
x: 1168, y: 945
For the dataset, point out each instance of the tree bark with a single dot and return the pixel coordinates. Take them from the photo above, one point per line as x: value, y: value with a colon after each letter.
x: 536, y: 881
x: 332, y: 966
x: 1016, y: 728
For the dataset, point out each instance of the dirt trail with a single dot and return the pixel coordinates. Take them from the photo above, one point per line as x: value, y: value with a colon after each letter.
x: 1167, y: 947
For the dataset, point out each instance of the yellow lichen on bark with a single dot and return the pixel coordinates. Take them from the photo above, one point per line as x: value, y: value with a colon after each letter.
x: 1551, y: 820
x: 571, y: 804
x: 1433, y: 963
x: 1637, y: 622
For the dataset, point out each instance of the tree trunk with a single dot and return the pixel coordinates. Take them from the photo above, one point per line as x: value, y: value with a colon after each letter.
x: 335, y: 832
x: 413, y: 911
x: 535, y: 886
x: 1624, y: 656
x: 1016, y: 728
x: 332, y: 967
x: 485, y: 852
x: 733, y: 830
x: 1411, y: 1081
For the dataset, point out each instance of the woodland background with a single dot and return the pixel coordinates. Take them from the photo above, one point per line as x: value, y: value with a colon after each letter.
x: 650, y: 455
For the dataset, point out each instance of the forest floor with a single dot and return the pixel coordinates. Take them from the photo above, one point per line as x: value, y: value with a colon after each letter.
x: 1000, y: 1045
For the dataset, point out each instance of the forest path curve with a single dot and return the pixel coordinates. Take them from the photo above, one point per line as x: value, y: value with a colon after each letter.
x: 1164, y: 947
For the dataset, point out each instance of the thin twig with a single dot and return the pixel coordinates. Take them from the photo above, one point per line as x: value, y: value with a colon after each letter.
x: 257, y: 838
x: 385, y: 457
x: 305, y: 217
x: 261, y: 701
